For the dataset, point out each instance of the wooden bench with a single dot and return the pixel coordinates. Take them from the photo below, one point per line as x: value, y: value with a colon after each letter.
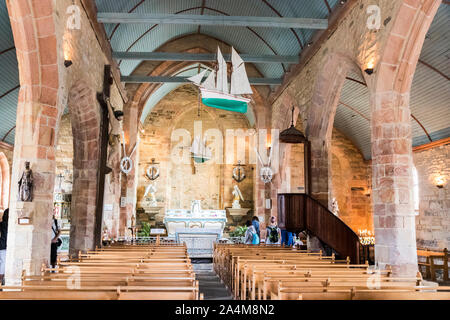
x: 100, y: 293
x: 119, y: 272
x: 431, y: 257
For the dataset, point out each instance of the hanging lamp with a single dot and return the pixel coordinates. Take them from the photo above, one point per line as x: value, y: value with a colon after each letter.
x: 292, y: 134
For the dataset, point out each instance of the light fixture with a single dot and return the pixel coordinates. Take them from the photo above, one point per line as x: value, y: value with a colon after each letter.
x: 440, y: 181
x: 370, y: 67
x: 68, y: 63
x: 291, y: 134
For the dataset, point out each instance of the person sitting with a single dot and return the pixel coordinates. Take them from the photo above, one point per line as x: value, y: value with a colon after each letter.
x: 3, y: 238
x: 273, y: 234
x: 251, y: 237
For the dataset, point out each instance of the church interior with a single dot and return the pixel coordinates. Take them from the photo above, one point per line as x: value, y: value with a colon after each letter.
x: 235, y: 150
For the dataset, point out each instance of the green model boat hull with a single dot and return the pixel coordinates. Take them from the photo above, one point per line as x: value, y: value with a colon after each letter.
x: 225, y: 104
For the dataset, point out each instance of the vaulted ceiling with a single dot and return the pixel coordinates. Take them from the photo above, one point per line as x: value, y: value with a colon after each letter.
x: 430, y: 92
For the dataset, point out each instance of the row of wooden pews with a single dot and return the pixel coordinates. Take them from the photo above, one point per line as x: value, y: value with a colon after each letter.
x: 432, y: 261
x: 120, y: 272
x: 282, y: 273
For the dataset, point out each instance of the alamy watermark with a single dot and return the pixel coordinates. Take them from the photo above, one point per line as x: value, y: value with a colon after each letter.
x: 249, y: 146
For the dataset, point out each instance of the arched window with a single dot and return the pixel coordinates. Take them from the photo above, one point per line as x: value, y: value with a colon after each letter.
x: 416, y: 190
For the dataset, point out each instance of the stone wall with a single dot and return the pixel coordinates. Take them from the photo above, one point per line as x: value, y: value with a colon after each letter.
x: 64, y: 154
x: 314, y: 86
x: 178, y: 184
x: 87, y: 71
x: 350, y: 183
x: 433, y: 220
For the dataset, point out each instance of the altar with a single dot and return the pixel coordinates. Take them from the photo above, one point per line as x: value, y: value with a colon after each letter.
x: 194, y: 218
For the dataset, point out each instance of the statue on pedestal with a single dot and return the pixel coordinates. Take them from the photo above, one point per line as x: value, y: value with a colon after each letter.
x: 335, y: 207
x: 26, y: 184
x: 196, y: 207
x: 151, y: 188
x: 237, y: 196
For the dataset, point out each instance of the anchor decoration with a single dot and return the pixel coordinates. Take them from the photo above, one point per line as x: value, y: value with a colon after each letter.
x: 239, y: 172
x: 152, y: 172
x: 126, y: 164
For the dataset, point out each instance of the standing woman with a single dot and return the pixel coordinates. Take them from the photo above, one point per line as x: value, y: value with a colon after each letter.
x: 3, y: 238
x: 273, y: 234
x: 255, y: 223
x: 56, y: 242
x: 251, y: 237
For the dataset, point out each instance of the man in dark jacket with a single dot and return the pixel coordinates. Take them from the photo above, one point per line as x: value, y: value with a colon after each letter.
x: 3, y: 238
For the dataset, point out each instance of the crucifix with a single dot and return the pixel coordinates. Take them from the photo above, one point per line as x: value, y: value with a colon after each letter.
x: 102, y: 98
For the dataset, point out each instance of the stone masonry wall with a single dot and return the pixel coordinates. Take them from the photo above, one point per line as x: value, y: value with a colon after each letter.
x: 178, y: 184
x: 433, y: 221
x: 64, y: 154
x: 83, y: 48
x: 350, y: 183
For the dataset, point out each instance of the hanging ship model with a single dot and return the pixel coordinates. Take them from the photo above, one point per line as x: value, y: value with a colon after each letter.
x: 214, y: 89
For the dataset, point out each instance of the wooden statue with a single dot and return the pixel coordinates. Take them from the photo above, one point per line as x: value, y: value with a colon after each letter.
x: 26, y: 184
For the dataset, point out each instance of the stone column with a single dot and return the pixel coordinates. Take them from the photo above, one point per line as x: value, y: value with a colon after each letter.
x: 28, y: 245
x: 320, y: 170
x: 394, y: 219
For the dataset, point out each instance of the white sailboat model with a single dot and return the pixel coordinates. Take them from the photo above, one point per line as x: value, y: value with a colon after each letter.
x: 200, y: 152
x: 214, y: 89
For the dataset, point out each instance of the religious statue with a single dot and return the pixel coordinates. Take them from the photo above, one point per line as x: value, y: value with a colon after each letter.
x: 115, y: 120
x: 237, y: 196
x: 26, y: 184
x: 151, y: 188
x: 334, y: 207
x: 195, y: 207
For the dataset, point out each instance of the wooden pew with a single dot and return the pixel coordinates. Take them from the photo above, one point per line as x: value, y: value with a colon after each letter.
x: 119, y: 272
x: 430, y: 265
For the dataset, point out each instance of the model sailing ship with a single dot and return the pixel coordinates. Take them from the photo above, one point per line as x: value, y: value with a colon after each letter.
x: 214, y: 89
x: 200, y: 152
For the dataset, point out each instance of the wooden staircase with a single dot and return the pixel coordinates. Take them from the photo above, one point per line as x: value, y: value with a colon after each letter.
x: 299, y: 212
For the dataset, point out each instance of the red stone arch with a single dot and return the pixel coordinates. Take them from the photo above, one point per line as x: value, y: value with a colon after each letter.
x: 320, y: 115
x: 4, y: 181
x: 34, y: 35
x: 392, y: 162
x: 85, y: 118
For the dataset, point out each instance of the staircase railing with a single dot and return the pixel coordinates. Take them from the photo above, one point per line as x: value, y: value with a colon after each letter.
x: 299, y: 212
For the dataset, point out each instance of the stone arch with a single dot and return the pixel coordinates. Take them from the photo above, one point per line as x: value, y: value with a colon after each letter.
x: 4, y: 181
x: 394, y: 219
x: 192, y: 43
x: 320, y: 115
x: 36, y: 122
x: 85, y: 119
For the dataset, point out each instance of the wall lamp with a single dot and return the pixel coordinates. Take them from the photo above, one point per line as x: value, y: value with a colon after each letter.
x: 440, y: 181
x: 370, y: 67
x: 68, y: 63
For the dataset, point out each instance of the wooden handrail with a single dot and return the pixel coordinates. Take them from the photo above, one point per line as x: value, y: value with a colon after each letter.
x: 299, y: 212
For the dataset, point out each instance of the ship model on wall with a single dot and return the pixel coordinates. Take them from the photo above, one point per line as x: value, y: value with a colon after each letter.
x: 214, y: 89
